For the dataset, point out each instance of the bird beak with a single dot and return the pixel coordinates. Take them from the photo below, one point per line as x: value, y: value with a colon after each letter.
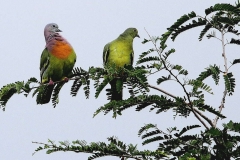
x: 138, y: 36
x: 58, y: 30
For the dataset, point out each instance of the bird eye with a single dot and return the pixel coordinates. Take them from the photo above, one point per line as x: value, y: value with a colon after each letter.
x: 54, y: 25
x: 135, y: 30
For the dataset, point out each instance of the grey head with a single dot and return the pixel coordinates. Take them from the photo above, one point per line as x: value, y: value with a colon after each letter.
x: 50, y: 29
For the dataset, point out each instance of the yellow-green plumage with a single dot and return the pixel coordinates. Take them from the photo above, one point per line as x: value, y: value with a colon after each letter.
x: 119, y: 53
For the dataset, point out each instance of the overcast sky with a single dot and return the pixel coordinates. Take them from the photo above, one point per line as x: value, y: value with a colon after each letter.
x: 88, y: 26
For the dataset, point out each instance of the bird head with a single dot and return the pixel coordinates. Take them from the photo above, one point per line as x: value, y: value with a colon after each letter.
x: 133, y: 32
x: 51, y: 29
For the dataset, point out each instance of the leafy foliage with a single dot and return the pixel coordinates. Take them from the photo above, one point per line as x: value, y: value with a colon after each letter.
x: 82, y: 78
x: 177, y: 31
x: 175, y: 26
x: 212, y: 143
x: 158, y: 103
x: 115, y: 148
x: 180, y: 69
x: 199, y: 84
x: 224, y: 18
x: 213, y: 71
x: 180, y: 144
x: 210, y: 109
x: 7, y: 91
x: 222, y: 7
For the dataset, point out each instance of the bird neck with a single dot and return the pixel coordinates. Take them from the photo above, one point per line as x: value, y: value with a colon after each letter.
x: 58, y: 46
x: 126, y: 37
x: 53, y: 36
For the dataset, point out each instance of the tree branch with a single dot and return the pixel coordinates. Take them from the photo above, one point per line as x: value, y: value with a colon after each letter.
x: 195, y: 111
x: 226, y: 71
x: 161, y: 90
x: 53, y: 146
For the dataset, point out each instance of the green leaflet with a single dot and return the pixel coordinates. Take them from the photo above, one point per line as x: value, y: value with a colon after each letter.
x: 229, y: 82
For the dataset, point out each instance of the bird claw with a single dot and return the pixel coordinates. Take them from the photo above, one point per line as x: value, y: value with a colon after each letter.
x: 50, y: 82
x: 66, y: 79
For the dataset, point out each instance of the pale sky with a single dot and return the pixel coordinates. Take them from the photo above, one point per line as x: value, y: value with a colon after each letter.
x: 88, y: 26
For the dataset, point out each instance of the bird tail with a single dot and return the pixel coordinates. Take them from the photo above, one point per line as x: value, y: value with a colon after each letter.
x: 116, y: 89
x: 45, y: 95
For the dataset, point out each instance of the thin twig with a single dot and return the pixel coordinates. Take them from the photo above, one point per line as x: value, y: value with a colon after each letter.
x: 197, y: 116
x: 161, y: 90
x: 203, y: 116
x: 195, y: 111
x: 220, y: 107
x: 226, y: 71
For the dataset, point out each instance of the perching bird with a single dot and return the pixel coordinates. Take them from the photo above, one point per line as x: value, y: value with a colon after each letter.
x: 119, y: 53
x: 57, y: 60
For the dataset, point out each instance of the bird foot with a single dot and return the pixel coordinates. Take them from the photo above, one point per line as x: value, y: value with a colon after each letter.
x: 50, y: 82
x: 66, y: 79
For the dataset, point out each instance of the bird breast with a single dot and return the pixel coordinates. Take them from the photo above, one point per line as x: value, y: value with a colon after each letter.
x: 61, y: 50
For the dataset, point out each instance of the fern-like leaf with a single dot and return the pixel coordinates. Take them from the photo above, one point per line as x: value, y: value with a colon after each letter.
x: 56, y: 90
x: 185, y: 129
x: 96, y: 155
x: 211, y: 110
x: 212, y: 34
x: 229, y: 82
x: 146, y: 127
x: 152, y: 133
x: 176, y: 25
x: 145, y: 41
x: 222, y: 7
x: 6, y: 92
x: 141, y: 101
x: 194, y: 24
x: 76, y: 86
x: 235, y: 41
x: 163, y: 79
x: 235, y: 61
x: 199, y: 84
x: 204, y: 31
x: 114, y: 148
x: 144, y: 54
x: 166, y: 54
x: 232, y: 126
x: 211, y: 70
x: 226, y: 20
x: 81, y: 79
x: 148, y: 59
x: 180, y: 69
x: 101, y: 86
x: 153, y: 139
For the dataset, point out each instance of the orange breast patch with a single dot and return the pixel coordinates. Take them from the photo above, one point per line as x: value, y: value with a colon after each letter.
x: 61, y: 50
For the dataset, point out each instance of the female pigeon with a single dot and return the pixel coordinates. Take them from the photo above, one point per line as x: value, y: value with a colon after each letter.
x: 119, y: 53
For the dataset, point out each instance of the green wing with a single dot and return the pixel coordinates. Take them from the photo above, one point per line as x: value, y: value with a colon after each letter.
x: 106, y: 53
x: 132, y: 57
x: 44, y: 62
